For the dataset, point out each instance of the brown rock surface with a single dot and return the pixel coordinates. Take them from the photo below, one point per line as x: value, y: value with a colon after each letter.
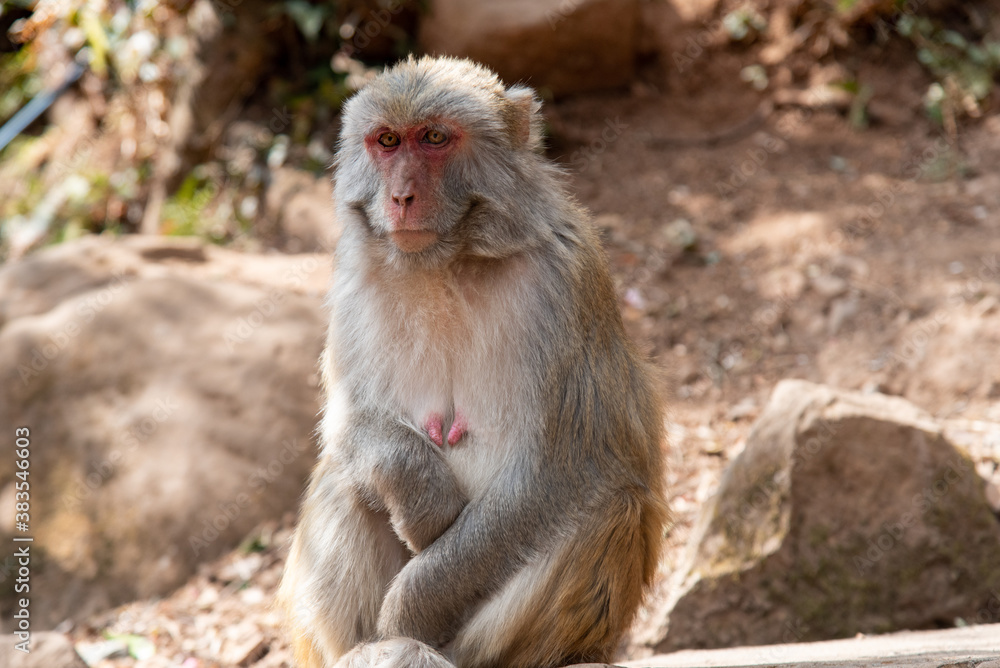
x: 170, y: 391
x: 845, y: 513
x: 972, y: 647
x: 566, y: 46
x: 301, y: 206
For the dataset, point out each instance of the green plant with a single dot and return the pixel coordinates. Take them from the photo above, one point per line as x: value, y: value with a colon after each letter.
x: 18, y: 82
x: 186, y: 213
x: 965, y: 69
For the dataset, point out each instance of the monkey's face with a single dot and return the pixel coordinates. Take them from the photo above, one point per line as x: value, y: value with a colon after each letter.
x: 412, y: 161
x: 430, y: 158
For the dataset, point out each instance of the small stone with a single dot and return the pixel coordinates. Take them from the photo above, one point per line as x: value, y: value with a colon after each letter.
x: 745, y: 408
x: 829, y: 286
x: 95, y: 652
x: 681, y: 233
x: 841, y: 311
x: 633, y: 297
x: 243, y: 646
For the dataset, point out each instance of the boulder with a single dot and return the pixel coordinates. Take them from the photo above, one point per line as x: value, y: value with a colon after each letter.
x: 169, y: 392
x: 565, y: 46
x: 300, y: 205
x: 846, y: 513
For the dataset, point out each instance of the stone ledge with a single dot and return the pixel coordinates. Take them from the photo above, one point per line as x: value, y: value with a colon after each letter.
x: 968, y: 647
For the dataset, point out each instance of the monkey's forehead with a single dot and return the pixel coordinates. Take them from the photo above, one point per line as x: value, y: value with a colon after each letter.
x: 430, y: 90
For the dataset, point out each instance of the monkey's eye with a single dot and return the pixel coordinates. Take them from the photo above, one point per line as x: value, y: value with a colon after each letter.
x: 435, y: 137
x: 388, y: 139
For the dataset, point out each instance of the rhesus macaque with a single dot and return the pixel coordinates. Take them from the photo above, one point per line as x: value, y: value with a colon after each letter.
x: 490, y: 480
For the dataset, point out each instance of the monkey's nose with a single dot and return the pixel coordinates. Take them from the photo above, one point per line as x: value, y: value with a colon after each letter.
x: 402, y: 198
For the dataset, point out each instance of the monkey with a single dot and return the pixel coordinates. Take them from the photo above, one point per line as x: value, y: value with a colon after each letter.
x: 489, y: 488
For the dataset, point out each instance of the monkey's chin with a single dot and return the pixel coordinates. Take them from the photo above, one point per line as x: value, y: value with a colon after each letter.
x: 413, y: 241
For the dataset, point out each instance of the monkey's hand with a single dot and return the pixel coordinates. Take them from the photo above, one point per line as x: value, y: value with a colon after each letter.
x: 486, y: 545
x: 403, y: 472
x: 424, y: 505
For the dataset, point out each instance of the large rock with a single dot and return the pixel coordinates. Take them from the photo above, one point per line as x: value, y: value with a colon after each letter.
x: 845, y: 513
x: 567, y: 46
x: 170, y: 392
x: 300, y: 206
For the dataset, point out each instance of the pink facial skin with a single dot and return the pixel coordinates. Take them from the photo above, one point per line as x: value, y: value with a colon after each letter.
x: 412, y: 167
x: 434, y: 426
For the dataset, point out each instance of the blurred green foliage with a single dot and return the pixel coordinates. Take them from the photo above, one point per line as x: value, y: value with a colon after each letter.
x: 186, y: 213
x: 965, y: 69
x: 19, y: 82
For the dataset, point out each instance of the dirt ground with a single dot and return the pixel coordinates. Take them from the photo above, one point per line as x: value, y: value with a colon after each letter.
x: 798, y: 246
x: 806, y: 248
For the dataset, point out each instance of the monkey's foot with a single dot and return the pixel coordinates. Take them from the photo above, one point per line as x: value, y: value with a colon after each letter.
x: 434, y: 428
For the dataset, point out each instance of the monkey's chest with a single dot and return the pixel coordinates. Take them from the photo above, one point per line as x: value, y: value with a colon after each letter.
x: 463, y: 392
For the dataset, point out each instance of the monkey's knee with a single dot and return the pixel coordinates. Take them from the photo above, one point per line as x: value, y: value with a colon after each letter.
x: 400, y: 615
x: 394, y: 653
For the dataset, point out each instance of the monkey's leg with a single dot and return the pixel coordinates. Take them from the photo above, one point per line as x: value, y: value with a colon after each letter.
x: 565, y: 601
x: 381, y: 484
x: 493, y: 537
x: 344, y: 556
x: 573, y: 605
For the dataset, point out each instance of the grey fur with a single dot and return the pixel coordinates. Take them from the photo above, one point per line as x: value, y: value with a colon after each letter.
x: 532, y: 539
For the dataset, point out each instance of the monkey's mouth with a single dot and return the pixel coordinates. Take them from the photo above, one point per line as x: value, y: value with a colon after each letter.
x: 413, y: 241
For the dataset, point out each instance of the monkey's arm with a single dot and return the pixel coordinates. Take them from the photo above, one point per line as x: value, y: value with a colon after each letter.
x: 491, y: 539
x: 395, y: 468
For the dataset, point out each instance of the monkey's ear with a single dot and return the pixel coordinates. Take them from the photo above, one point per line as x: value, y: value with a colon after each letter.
x: 523, y: 120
